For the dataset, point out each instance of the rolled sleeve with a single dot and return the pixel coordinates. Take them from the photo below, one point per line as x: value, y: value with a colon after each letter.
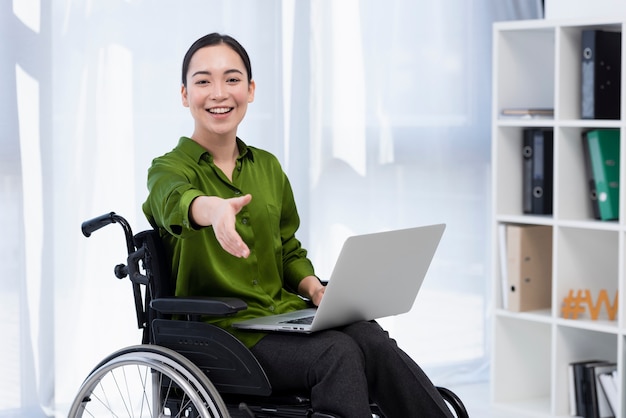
x: 185, y: 204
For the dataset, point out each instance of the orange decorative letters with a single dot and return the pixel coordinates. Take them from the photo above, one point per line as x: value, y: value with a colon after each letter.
x: 575, y: 304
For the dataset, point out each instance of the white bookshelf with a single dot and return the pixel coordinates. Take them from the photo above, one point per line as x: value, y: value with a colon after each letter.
x: 537, y: 64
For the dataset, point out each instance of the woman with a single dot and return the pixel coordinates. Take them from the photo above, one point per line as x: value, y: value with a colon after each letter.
x: 227, y: 216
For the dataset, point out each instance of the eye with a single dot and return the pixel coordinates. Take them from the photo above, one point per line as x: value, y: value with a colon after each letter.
x: 201, y: 82
x: 233, y: 80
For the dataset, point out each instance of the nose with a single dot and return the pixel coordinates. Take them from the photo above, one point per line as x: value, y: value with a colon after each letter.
x: 218, y: 92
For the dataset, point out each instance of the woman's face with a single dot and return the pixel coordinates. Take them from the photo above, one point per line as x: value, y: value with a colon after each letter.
x: 217, y: 92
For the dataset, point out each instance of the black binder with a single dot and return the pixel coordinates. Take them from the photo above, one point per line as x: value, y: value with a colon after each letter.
x: 537, y: 153
x: 576, y: 387
x: 601, y: 78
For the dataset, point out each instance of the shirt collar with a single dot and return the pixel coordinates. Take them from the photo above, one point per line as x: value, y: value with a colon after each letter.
x: 196, y: 151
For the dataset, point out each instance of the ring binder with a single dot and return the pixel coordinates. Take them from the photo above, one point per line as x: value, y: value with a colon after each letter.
x: 537, y: 152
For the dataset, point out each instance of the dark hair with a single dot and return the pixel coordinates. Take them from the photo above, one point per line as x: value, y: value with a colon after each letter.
x: 216, y: 39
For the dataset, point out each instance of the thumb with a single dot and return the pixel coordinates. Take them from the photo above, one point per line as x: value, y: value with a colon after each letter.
x: 240, y: 202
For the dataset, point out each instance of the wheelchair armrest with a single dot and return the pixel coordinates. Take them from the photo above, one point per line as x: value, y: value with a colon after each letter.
x: 198, y: 306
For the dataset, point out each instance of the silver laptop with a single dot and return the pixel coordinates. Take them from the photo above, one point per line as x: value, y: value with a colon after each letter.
x: 376, y: 275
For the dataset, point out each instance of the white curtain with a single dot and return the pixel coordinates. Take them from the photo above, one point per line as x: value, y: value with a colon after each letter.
x: 378, y: 110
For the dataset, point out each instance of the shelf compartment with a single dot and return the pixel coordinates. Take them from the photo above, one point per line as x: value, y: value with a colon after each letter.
x: 509, y: 163
x: 586, y: 259
x: 569, y: 68
x: 521, y: 364
x: 572, y: 192
x: 572, y: 199
x: 524, y: 68
x: 574, y: 345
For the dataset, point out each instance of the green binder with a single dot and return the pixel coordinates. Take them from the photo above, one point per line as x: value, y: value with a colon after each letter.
x: 602, y: 155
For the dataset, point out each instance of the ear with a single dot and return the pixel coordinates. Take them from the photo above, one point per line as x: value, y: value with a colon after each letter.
x: 251, y: 88
x: 183, y: 95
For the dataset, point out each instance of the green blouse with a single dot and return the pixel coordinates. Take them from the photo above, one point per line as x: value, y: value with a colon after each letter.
x: 267, y: 280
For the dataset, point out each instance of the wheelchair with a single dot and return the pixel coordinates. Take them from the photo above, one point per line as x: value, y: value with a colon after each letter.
x: 184, y: 367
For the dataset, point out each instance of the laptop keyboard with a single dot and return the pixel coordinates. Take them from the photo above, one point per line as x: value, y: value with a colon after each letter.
x: 307, y: 320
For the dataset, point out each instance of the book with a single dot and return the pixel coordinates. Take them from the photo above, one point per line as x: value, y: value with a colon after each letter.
x: 537, y: 170
x: 601, y: 74
x: 527, y: 113
x: 601, y: 151
x: 608, y: 384
x: 529, y: 267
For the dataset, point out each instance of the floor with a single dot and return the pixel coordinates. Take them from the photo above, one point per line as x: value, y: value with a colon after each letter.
x: 476, y: 398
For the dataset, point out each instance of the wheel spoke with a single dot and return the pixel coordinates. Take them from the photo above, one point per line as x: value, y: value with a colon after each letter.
x: 125, y: 386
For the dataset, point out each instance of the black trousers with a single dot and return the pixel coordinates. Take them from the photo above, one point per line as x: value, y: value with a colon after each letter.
x: 346, y: 368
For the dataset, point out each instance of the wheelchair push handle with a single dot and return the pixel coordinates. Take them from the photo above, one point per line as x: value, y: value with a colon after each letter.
x: 92, y: 225
x: 88, y: 227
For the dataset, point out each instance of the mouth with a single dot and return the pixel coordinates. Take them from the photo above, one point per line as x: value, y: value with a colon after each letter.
x: 220, y: 110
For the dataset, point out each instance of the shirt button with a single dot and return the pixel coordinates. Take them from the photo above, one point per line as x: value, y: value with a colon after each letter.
x: 244, y: 221
x: 271, y: 308
x: 237, y: 192
x: 254, y: 282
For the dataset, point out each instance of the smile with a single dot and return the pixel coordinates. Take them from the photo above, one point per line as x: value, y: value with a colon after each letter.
x: 220, y: 110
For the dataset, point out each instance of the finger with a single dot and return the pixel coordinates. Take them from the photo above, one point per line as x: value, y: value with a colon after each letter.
x: 240, y: 250
x: 233, y: 244
x: 239, y: 202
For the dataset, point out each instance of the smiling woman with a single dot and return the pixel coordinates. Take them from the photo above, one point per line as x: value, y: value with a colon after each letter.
x: 228, y: 221
x: 217, y: 90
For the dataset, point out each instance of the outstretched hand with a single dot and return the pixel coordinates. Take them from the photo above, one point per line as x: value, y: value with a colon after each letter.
x: 224, y: 225
x: 221, y: 215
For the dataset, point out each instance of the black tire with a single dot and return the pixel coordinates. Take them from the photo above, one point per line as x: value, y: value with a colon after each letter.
x: 147, y: 381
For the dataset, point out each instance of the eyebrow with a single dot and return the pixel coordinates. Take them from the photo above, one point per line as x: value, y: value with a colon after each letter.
x: 204, y: 72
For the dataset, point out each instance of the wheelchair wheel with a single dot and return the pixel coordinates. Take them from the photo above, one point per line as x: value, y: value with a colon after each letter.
x: 147, y: 381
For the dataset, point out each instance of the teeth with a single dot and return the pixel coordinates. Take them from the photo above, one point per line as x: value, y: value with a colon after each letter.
x: 220, y: 110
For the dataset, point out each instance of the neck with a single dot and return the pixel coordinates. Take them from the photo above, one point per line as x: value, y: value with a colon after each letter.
x: 220, y: 148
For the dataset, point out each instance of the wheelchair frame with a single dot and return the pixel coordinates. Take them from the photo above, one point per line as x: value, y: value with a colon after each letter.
x: 183, y: 368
